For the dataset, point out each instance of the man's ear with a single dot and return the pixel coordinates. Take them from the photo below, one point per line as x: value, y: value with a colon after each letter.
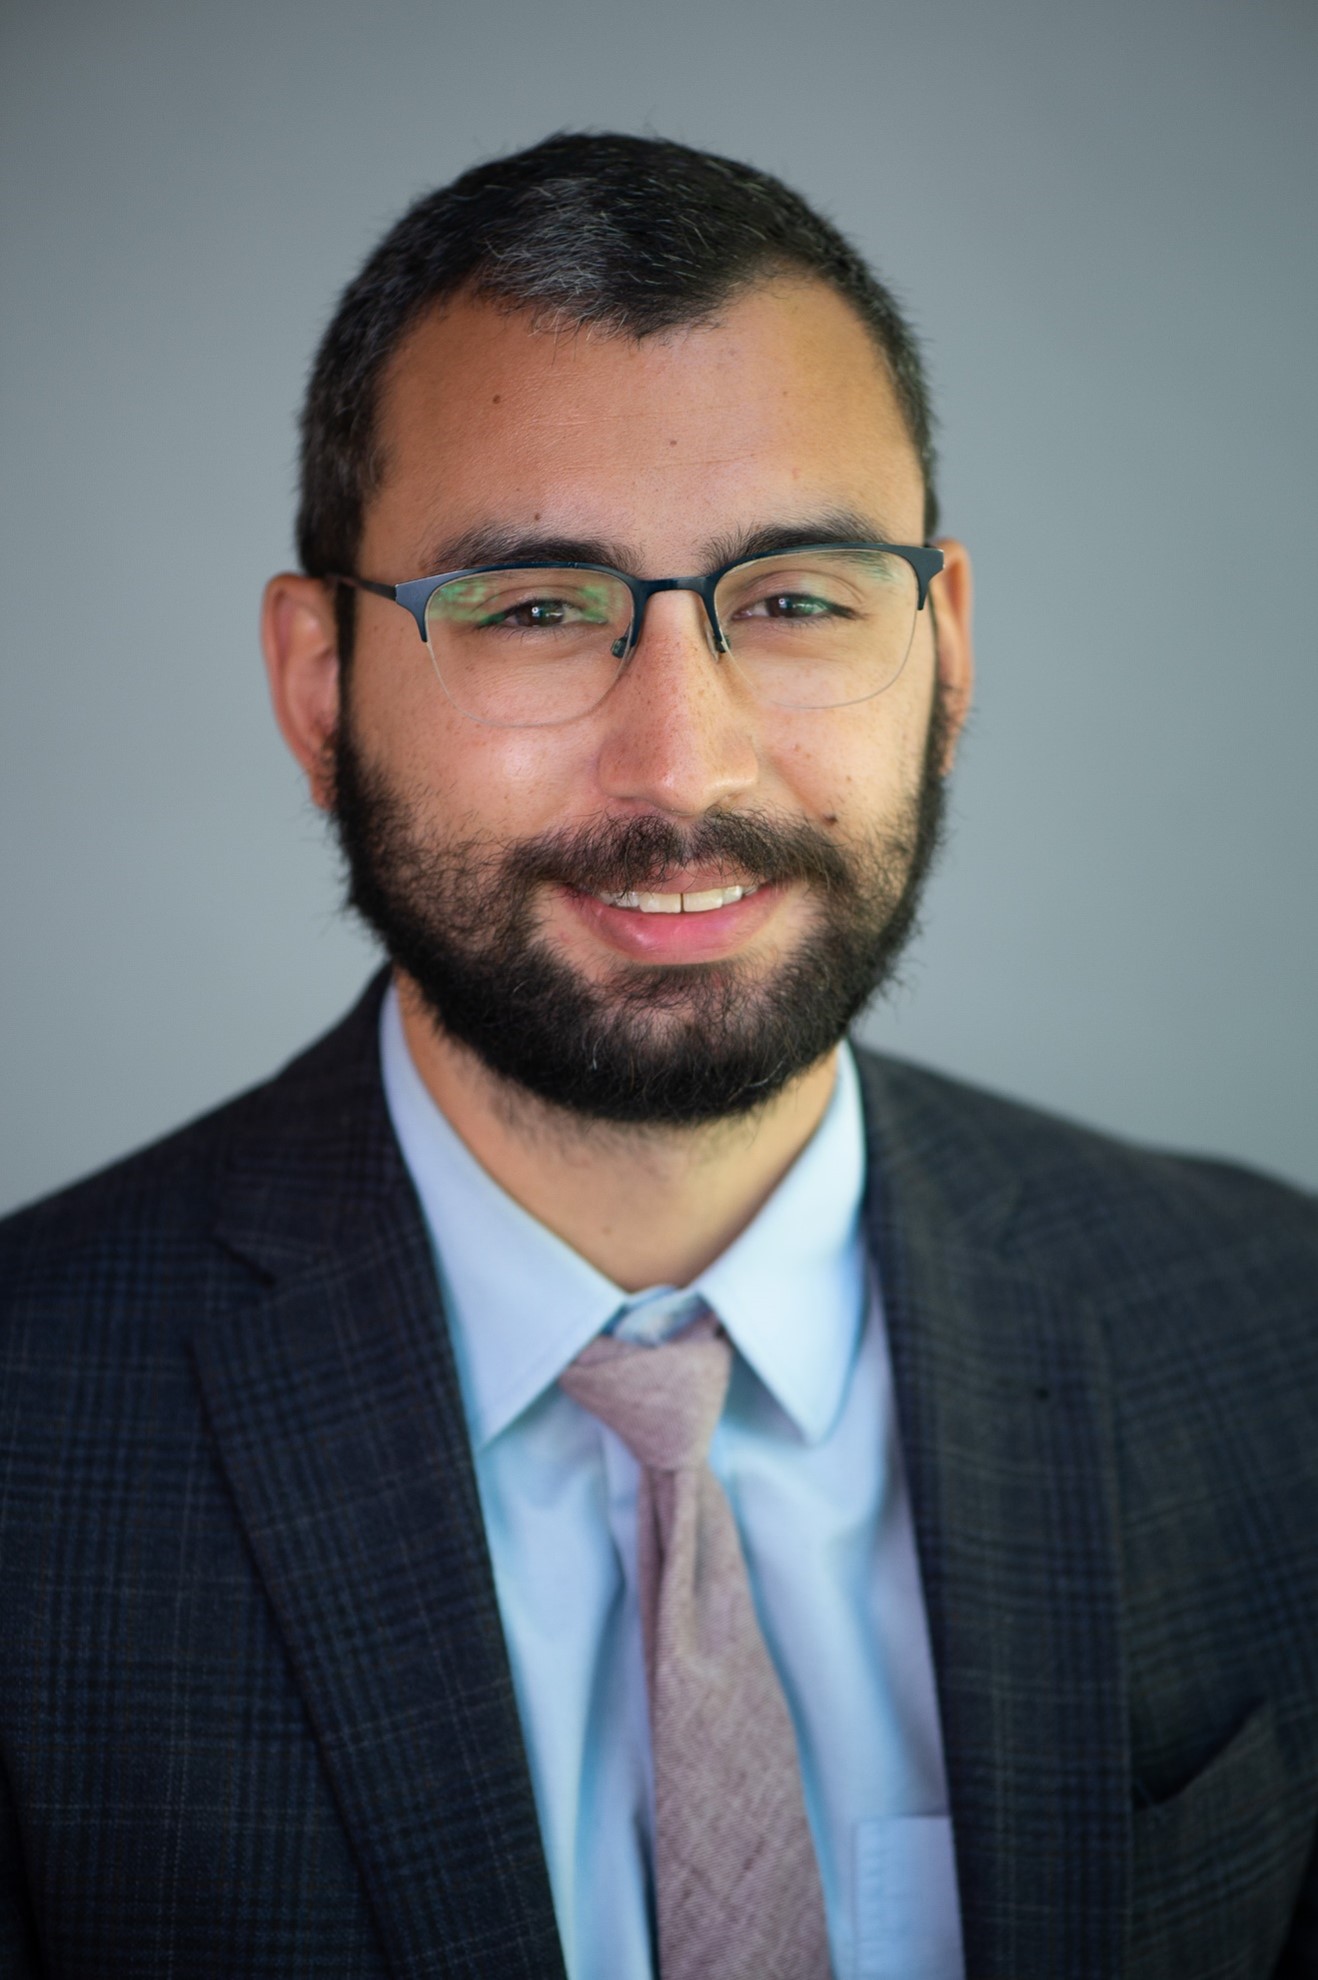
x: 299, y: 637
x: 951, y: 596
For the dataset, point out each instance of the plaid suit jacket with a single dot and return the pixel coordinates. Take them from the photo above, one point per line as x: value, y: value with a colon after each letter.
x: 255, y: 1709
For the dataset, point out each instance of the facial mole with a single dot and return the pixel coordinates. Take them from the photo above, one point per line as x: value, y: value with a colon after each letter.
x: 830, y: 818
x: 497, y: 400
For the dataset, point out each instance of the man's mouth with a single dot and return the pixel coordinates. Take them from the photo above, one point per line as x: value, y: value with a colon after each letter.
x: 702, y: 902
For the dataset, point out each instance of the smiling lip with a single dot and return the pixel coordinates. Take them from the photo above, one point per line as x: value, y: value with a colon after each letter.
x: 663, y: 926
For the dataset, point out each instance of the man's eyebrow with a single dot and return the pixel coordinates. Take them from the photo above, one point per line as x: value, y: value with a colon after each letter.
x: 767, y: 539
x: 494, y: 543
x: 770, y: 537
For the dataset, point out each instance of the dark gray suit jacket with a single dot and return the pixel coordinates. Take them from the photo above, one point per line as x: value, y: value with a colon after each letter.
x: 255, y: 1709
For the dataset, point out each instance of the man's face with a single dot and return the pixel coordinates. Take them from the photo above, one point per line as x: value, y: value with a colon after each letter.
x: 484, y: 855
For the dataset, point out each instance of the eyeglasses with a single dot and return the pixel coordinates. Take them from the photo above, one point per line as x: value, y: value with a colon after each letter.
x: 530, y: 645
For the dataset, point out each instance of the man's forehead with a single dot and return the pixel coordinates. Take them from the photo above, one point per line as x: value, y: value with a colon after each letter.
x: 776, y: 409
x: 791, y: 335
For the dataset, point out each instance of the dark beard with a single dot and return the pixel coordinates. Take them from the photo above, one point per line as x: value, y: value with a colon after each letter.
x: 667, y: 1045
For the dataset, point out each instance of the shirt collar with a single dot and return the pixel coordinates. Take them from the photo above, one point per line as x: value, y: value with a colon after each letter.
x: 791, y: 1290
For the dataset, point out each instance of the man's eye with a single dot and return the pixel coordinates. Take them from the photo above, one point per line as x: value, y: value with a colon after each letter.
x: 547, y: 615
x: 535, y: 614
x: 792, y: 605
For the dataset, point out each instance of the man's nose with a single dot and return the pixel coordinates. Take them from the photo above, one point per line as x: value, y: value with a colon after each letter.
x: 679, y: 723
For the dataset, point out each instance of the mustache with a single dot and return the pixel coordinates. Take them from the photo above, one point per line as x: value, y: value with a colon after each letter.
x: 619, y: 855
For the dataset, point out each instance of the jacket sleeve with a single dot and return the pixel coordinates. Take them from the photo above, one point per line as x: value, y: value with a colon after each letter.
x: 19, y: 1956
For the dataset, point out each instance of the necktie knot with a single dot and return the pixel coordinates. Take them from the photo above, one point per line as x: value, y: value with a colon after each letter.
x: 664, y: 1402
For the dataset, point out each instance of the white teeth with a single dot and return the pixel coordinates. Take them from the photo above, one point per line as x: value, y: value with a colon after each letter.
x: 712, y: 897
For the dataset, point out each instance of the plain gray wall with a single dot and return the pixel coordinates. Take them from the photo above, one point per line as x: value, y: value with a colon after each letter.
x: 1102, y: 221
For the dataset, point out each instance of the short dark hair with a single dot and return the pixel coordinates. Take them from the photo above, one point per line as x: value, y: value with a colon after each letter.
x: 634, y: 234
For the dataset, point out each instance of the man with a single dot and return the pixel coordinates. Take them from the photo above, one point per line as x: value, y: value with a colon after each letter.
x: 585, y: 1472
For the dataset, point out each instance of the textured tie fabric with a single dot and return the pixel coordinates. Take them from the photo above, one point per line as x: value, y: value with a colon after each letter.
x: 737, y: 1885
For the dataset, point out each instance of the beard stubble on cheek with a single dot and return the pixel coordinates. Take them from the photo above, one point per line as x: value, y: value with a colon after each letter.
x: 666, y: 1045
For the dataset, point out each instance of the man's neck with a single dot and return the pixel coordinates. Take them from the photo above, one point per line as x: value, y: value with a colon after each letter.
x: 645, y: 1206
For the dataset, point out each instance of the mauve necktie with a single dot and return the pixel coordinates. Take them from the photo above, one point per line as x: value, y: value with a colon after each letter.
x: 736, y: 1881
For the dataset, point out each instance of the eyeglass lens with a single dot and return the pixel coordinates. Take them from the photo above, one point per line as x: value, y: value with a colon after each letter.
x: 812, y: 629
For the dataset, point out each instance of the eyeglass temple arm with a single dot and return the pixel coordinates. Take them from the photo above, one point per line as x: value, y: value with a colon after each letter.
x: 362, y: 584
x: 411, y: 596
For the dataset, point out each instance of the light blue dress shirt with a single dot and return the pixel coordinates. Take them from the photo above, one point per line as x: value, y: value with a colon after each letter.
x: 807, y: 1452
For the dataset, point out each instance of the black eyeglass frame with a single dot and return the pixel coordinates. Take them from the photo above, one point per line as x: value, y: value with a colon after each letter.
x: 415, y: 595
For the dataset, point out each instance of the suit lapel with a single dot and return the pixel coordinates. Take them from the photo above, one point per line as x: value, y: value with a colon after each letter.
x: 335, y: 1408
x: 1002, y: 1397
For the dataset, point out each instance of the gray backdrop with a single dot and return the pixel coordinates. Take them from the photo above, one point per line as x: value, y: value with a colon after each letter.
x: 1102, y: 220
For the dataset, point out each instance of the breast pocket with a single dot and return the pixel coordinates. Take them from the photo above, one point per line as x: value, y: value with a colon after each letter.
x: 908, y: 1921
x: 1218, y: 1866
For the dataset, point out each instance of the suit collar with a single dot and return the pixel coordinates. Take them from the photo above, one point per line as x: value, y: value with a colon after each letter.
x: 1003, y: 1403
x: 310, y: 1157
x: 335, y: 1409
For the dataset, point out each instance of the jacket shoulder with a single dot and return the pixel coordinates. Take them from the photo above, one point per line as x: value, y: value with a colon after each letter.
x: 159, y: 1202
x: 1078, y: 1202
